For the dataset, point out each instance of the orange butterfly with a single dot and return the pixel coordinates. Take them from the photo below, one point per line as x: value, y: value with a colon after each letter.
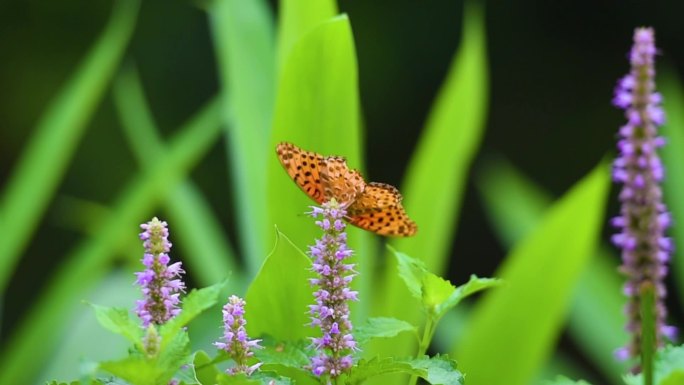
x: 371, y: 206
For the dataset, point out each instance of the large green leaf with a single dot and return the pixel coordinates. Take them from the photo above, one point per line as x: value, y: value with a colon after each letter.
x: 673, y: 159
x: 437, y: 173
x: 244, y: 41
x: 280, y: 295
x: 195, y: 225
x: 595, y: 320
x: 52, y: 145
x: 517, y: 325
x: 296, y: 18
x: 318, y: 109
x: 37, y: 333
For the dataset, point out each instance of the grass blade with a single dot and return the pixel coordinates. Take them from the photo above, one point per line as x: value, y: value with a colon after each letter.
x: 596, y: 321
x: 189, y: 214
x: 517, y: 325
x: 244, y: 41
x: 37, y: 334
x: 673, y: 160
x: 47, y: 155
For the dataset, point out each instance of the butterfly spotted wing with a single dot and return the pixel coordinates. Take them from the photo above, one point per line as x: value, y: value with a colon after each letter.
x: 379, y: 209
x: 304, y: 167
x: 374, y: 206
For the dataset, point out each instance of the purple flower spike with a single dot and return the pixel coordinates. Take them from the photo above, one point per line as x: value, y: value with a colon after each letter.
x: 161, y: 284
x: 643, y: 217
x: 236, y: 343
x: 331, y: 311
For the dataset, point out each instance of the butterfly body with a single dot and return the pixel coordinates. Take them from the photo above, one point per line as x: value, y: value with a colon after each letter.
x: 371, y: 206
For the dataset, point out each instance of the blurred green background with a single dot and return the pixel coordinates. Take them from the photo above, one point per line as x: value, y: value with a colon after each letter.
x: 552, y: 67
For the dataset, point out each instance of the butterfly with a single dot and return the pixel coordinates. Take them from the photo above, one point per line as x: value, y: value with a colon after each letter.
x: 371, y: 206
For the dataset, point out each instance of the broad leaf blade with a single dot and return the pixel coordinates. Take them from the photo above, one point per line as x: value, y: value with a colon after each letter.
x: 518, y: 326
x: 449, y: 142
x: 118, y: 321
x: 297, y: 18
x: 381, y: 327
x: 278, y: 298
x: 596, y: 321
x: 318, y: 109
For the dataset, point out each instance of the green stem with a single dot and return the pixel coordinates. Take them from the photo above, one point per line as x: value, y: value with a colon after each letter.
x: 428, y: 333
x: 648, y: 332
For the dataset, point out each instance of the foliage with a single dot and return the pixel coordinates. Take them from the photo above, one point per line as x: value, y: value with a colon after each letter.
x: 295, y: 77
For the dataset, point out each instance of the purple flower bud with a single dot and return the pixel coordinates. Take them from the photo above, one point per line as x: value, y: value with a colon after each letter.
x: 643, y: 217
x: 235, y: 340
x: 331, y: 311
x: 160, y: 284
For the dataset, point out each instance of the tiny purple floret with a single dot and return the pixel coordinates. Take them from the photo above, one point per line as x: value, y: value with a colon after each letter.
x: 330, y: 313
x: 160, y: 283
x: 235, y: 340
x: 643, y: 217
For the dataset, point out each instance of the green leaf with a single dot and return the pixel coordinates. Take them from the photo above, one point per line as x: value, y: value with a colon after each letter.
x: 36, y: 335
x: 296, y: 18
x: 278, y: 298
x: 194, y: 223
x: 517, y: 327
x: 412, y: 271
x: 318, y: 109
x: 173, y: 355
x: 435, y: 370
x: 240, y: 379
x: 669, y: 367
x: 193, y: 305
x: 675, y: 378
x: 138, y: 369
x: 365, y: 369
x: 205, y: 370
x: 560, y: 380
x: 439, y: 370
x: 436, y: 290
x: 187, y: 375
x: 43, y: 163
x: 673, y: 159
x: 290, y: 354
x: 449, y: 141
x: 135, y: 369
x: 267, y: 378
x: 381, y: 327
x: 436, y: 294
x: 596, y: 320
x: 244, y: 42
x: 119, y: 322
x: 474, y: 285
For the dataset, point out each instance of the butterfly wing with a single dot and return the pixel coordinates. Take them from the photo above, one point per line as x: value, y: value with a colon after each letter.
x: 304, y: 167
x: 374, y: 197
x: 389, y: 221
x: 379, y: 209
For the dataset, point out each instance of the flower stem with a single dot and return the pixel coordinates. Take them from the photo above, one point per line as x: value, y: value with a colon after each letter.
x: 428, y: 333
x: 648, y: 331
